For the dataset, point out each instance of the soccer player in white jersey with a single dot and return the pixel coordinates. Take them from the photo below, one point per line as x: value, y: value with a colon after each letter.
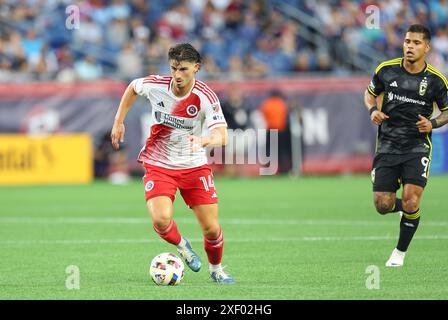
x: 174, y: 156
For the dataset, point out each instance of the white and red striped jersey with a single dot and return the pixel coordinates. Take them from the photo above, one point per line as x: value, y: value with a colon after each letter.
x: 174, y: 119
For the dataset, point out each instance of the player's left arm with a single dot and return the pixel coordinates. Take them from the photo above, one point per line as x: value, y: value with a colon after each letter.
x: 426, y: 125
x: 217, y: 137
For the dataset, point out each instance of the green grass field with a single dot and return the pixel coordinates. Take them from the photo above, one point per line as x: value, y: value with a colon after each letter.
x: 307, y: 238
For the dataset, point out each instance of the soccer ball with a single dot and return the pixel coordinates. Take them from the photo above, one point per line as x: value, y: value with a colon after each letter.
x: 167, y: 269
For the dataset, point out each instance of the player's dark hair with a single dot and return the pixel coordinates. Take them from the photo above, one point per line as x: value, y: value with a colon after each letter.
x: 184, y: 52
x: 418, y: 28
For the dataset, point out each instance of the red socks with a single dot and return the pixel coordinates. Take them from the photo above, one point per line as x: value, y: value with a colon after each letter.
x: 214, y: 248
x: 170, y: 234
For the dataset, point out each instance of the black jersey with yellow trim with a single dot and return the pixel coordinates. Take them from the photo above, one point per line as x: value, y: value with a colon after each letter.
x: 405, y: 96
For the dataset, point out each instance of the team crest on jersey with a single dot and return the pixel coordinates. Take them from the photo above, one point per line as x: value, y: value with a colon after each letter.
x: 192, y: 110
x: 423, y: 86
x: 149, y: 185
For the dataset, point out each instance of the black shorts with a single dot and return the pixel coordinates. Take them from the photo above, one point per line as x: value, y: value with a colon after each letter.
x: 391, y: 170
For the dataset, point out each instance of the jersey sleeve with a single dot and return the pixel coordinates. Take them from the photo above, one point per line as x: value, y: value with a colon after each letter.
x: 140, y: 88
x: 214, y: 117
x: 143, y: 86
x: 376, y: 86
x: 442, y: 97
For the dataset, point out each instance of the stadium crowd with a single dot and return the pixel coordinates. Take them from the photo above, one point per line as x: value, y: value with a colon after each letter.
x: 121, y: 39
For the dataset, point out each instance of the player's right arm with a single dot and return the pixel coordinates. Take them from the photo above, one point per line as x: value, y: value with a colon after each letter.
x: 127, y: 100
x: 374, y: 89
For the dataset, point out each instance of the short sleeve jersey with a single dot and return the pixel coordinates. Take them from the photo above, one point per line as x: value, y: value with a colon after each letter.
x: 174, y: 118
x: 405, y: 96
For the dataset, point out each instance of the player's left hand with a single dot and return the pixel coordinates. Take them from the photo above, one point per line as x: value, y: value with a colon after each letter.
x: 195, y: 142
x: 423, y: 124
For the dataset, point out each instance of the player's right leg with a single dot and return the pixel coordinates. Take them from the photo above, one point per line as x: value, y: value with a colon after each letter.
x: 160, y: 191
x: 161, y: 210
x: 386, y: 179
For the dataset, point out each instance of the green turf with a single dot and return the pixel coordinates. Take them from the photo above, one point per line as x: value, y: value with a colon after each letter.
x: 307, y: 238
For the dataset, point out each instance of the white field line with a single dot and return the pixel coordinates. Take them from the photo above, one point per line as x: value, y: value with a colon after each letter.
x: 282, y: 222
x: 232, y: 240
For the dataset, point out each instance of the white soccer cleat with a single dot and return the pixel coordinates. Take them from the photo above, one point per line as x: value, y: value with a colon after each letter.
x: 396, y: 258
x: 191, y: 258
x: 220, y: 276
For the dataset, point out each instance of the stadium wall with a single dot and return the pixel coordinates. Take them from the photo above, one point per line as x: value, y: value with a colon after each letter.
x: 337, y: 136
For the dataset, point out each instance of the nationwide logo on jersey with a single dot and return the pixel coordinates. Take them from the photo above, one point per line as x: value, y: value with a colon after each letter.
x: 423, y: 86
x: 192, y: 110
x: 391, y: 96
x: 149, y: 186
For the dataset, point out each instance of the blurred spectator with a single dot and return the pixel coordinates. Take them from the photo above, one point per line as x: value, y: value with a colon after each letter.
x: 237, y: 114
x: 177, y: 22
x: 439, y: 12
x: 275, y: 111
x: 88, y: 32
x: 117, y: 33
x: 88, y: 68
x: 234, y: 14
x: 129, y: 62
x: 32, y: 45
x: 210, y: 68
x: 270, y: 37
x: 12, y: 55
x: 236, y: 69
x: 109, y: 163
x: 235, y: 110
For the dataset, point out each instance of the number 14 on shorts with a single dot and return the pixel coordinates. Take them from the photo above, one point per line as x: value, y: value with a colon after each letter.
x: 207, y: 182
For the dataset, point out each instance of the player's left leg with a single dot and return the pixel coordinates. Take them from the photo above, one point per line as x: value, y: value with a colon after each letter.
x: 207, y: 215
x: 415, y: 174
x: 197, y: 187
x: 408, y: 224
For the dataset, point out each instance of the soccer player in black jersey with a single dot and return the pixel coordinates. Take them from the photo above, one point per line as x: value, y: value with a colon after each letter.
x: 409, y: 88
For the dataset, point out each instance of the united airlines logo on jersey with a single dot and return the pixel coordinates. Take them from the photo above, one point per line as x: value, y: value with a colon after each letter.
x: 173, y: 121
x: 423, y: 86
x: 391, y: 96
x: 192, y: 110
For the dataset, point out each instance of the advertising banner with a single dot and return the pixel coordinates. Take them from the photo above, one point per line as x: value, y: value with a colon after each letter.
x: 331, y: 131
x: 50, y: 159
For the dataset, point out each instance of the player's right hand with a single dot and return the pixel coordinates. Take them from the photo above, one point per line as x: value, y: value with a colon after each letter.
x: 117, y: 135
x: 377, y: 117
